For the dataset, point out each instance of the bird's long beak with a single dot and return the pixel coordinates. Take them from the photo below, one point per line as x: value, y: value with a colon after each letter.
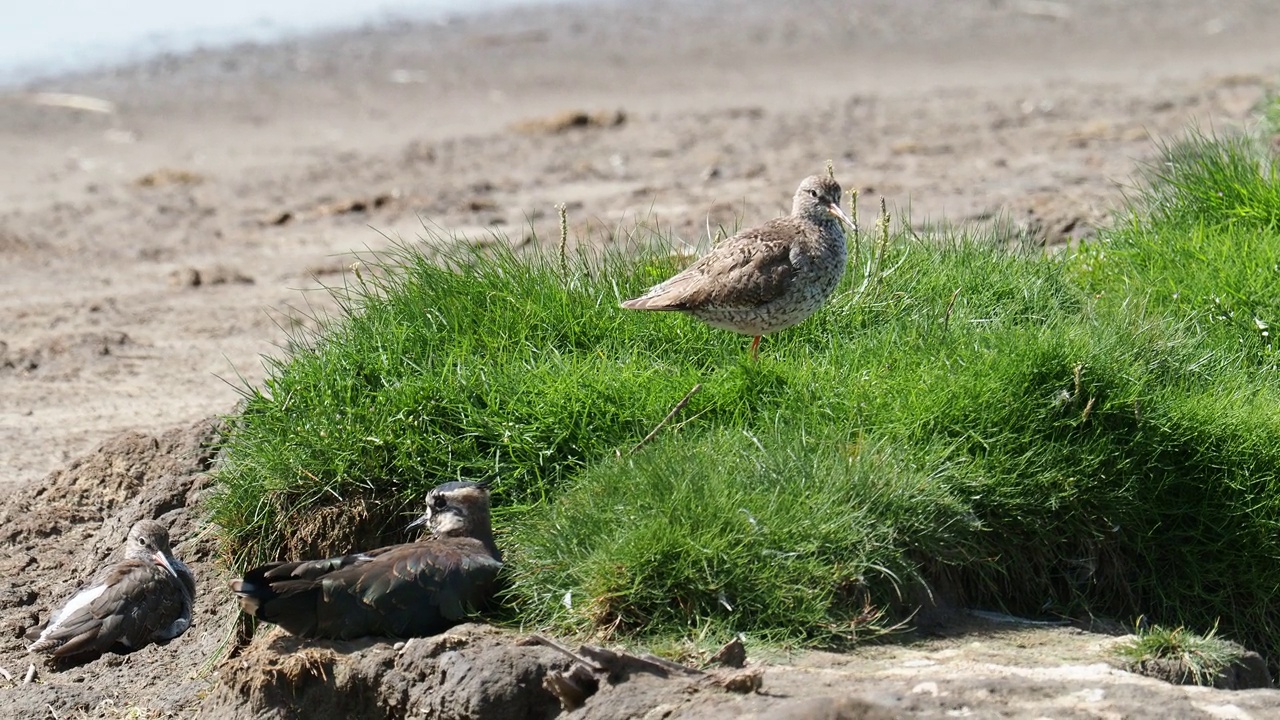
x: 163, y: 562
x: 835, y: 210
x: 420, y: 521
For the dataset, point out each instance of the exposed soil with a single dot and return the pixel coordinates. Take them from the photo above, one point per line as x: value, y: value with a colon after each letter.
x: 152, y: 253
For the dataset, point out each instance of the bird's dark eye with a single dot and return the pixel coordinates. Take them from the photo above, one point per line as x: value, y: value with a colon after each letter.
x: 813, y: 193
x: 438, y: 502
x: 142, y: 541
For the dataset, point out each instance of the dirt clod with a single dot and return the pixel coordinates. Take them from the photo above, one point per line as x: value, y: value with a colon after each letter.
x: 570, y: 120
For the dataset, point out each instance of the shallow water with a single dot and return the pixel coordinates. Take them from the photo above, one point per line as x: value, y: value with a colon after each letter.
x: 51, y: 37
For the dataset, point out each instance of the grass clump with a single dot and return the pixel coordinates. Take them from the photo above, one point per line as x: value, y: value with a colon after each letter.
x: 733, y: 532
x: 1044, y: 435
x: 1179, y: 655
x: 1201, y: 239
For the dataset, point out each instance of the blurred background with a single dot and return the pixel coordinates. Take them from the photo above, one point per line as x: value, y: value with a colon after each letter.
x: 61, y: 36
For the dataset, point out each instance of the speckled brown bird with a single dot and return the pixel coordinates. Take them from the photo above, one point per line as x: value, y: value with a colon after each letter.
x: 767, y: 278
x: 144, y: 598
x: 401, y: 591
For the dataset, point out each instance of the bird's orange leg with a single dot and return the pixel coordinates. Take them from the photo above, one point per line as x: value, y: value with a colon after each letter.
x: 755, y: 348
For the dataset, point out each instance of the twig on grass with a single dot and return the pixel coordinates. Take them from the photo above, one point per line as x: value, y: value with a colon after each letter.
x: 853, y: 215
x: 563, y: 209
x: 884, y: 239
x: 876, y: 252
x: 946, y: 317
x: 678, y: 407
x: 566, y: 652
x: 1088, y: 408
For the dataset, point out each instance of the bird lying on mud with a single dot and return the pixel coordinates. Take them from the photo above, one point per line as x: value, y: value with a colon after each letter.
x: 767, y: 278
x: 144, y: 598
x: 408, y: 590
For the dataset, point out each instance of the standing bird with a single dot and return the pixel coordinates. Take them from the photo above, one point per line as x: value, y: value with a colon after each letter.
x: 767, y: 278
x: 401, y: 591
x: 144, y: 598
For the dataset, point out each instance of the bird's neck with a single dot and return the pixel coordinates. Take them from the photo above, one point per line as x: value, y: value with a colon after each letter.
x: 828, y: 222
x: 486, y: 537
x: 815, y: 214
x: 476, y: 529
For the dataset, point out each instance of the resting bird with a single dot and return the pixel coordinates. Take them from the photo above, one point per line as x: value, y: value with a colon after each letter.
x: 400, y: 591
x: 767, y: 278
x: 144, y: 598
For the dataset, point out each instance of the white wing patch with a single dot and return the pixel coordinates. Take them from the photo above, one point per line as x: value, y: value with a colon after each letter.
x: 77, y: 602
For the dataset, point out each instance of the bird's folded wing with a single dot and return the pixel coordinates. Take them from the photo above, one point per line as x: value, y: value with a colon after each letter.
x: 133, y: 602
x: 399, y: 591
x: 745, y: 271
x: 312, y: 569
x: 446, y: 574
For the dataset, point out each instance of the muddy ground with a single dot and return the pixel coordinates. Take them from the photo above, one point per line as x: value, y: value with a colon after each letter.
x: 155, y: 245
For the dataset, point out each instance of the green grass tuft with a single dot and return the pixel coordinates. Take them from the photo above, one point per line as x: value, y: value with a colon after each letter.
x: 732, y: 532
x: 1204, y: 181
x: 1201, y: 657
x: 1199, y: 239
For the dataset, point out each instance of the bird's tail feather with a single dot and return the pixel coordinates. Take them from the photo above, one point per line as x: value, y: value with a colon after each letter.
x: 646, y: 302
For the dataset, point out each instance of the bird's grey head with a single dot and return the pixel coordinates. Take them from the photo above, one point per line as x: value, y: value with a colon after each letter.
x: 149, y: 541
x: 818, y: 198
x: 457, y: 509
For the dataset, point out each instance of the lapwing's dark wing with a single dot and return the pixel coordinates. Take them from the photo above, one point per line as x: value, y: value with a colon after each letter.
x: 406, y: 590
x: 130, y: 603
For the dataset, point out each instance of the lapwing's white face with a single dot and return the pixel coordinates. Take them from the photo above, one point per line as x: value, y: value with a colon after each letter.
x: 453, y: 508
x: 444, y: 516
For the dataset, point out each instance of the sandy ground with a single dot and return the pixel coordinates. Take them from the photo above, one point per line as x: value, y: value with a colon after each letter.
x: 154, y: 245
